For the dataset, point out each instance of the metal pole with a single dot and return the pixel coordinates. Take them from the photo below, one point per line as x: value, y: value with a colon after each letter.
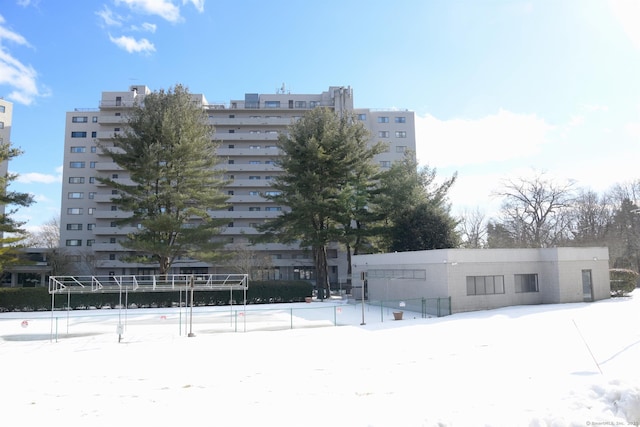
x: 191, y: 334
x: 362, y: 293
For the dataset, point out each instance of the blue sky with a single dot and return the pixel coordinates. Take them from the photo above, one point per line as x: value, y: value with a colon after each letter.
x: 500, y: 88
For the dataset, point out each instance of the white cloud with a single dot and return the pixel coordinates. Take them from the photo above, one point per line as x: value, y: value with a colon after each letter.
x: 595, y: 107
x: 36, y: 177
x: 163, y: 8
x: 110, y: 19
x: 198, y: 4
x: 132, y: 45
x: 20, y: 77
x: 628, y: 13
x: 633, y: 129
x: 494, y: 138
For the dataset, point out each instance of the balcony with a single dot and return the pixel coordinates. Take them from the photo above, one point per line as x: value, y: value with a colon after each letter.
x: 250, y: 121
x: 239, y: 167
x: 248, y: 152
x: 111, y: 119
x: 243, y: 136
x: 113, y: 231
x: 245, y: 214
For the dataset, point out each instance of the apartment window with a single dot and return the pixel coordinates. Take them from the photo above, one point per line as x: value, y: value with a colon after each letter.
x: 526, y: 283
x: 253, y: 132
x: 114, y: 208
x: 90, y: 242
x: 254, y: 147
x: 90, y: 211
x: 273, y: 208
x: 74, y: 211
x: 114, y: 176
x: 74, y: 227
x: 231, y: 162
x: 254, y: 208
x: 112, y: 239
x: 92, y: 165
x: 79, y: 119
x: 314, y: 104
x: 1, y: 108
x: 230, y: 208
x: 254, y: 224
x: 401, y: 134
x: 400, y: 119
x: 383, y: 134
x: 231, y: 146
x: 272, y: 104
x: 230, y: 225
x: 94, y: 134
x: 232, y: 131
x: 485, y: 285
x: 254, y: 193
x: 268, y: 177
x: 73, y: 242
x: 113, y: 224
x: 255, y: 162
x: 1, y: 125
x: 78, y: 149
x: 254, y: 177
x: 78, y: 134
x: 383, y: 119
x: 230, y: 192
x: 362, y: 117
x: 385, y: 163
x: 91, y: 226
x: 112, y: 257
x: 272, y: 193
x: 76, y: 165
x: 76, y: 180
x: 94, y: 149
x: 401, y: 148
x: 116, y: 129
x: 301, y: 104
x: 76, y: 195
x: 94, y: 119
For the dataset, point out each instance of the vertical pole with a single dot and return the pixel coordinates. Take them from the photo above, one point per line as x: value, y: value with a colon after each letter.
x: 191, y: 334
x: 53, y: 297
x: 180, y: 312
x: 362, y: 294
x: 68, y: 307
x: 291, y: 317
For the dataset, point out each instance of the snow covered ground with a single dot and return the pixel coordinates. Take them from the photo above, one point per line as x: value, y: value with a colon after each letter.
x: 553, y: 365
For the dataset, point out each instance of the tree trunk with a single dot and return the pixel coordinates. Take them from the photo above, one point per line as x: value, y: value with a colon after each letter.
x: 320, y: 259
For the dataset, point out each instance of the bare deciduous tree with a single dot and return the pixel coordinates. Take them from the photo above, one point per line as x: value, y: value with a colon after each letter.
x: 535, y: 210
x: 472, y: 226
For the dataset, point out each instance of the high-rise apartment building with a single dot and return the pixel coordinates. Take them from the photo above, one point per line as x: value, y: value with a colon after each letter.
x: 6, y: 114
x: 247, y: 130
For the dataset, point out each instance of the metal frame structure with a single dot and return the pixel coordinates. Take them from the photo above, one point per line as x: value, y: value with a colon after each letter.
x: 67, y: 285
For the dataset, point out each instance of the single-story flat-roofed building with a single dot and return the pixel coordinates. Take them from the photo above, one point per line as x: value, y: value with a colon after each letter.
x: 483, y: 279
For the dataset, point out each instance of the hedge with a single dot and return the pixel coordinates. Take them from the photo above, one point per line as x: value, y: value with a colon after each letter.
x: 263, y: 292
x: 623, y: 281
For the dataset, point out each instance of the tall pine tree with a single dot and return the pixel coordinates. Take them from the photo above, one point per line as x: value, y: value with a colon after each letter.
x: 168, y: 151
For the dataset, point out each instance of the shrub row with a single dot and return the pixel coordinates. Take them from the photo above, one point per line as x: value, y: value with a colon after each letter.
x: 264, y: 292
x: 623, y: 281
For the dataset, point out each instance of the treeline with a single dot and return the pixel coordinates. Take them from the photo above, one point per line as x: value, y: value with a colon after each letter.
x: 543, y: 212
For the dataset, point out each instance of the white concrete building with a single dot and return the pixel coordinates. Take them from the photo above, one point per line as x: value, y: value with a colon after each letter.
x: 482, y: 279
x: 248, y: 130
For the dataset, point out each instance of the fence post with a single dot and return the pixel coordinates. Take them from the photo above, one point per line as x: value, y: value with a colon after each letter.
x: 424, y: 308
x: 438, y: 306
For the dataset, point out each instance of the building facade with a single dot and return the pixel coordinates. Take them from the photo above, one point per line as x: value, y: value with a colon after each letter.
x: 484, y: 279
x: 247, y: 131
x: 6, y: 117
